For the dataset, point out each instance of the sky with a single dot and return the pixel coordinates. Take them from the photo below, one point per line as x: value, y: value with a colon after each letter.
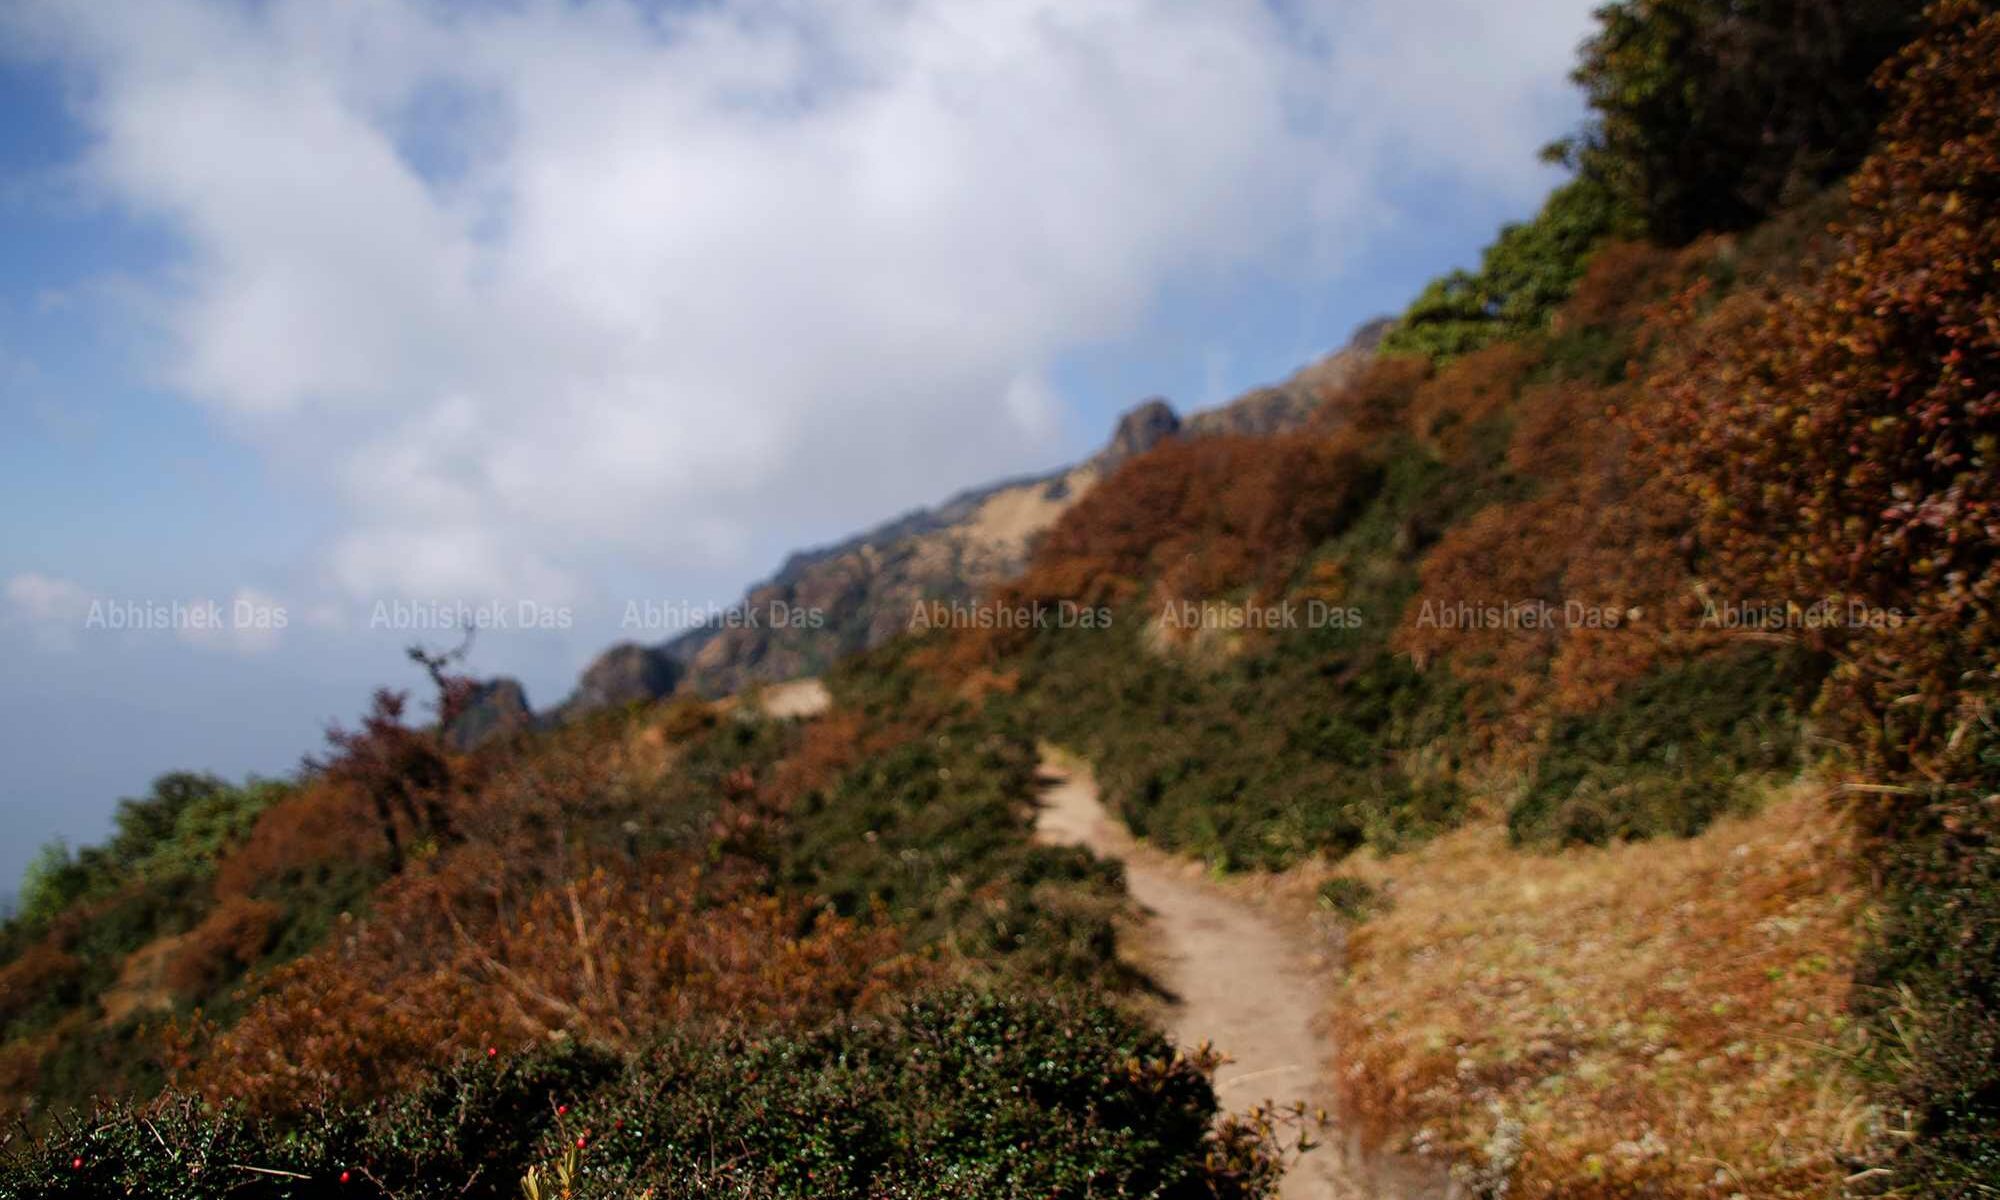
x: 321, y: 320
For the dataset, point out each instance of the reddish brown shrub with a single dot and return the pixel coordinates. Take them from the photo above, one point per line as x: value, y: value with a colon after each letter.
x: 322, y: 822
x: 1842, y: 439
x: 1625, y: 279
x: 233, y: 936
x: 1198, y: 517
x: 1377, y: 401
x: 613, y: 955
x: 1470, y: 389
x: 28, y: 981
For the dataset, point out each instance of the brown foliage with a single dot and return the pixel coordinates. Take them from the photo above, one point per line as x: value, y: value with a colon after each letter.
x: 1591, y: 570
x: 1470, y: 389
x: 26, y: 981
x: 614, y: 955
x: 322, y: 822
x: 1842, y: 439
x: 232, y: 937
x: 406, y: 773
x: 1198, y: 517
x: 1377, y: 401
x: 1625, y: 280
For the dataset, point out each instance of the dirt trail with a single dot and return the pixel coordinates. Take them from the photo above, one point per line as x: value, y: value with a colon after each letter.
x: 1239, y: 978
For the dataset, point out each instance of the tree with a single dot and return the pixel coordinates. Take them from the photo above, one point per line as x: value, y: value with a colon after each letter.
x: 1710, y: 114
x: 53, y: 879
x: 1528, y: 271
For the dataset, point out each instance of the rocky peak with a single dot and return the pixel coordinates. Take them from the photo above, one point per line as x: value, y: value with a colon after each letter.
x: 495, y: 708
x: 628, y: 673
x: 1141, y: 428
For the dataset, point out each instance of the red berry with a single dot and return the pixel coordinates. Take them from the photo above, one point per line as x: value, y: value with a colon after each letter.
x: 492, y: 1051
x: 579, y: 1143
x: 344, y: 1177
x: 76, y: 1164
x: 561, y: 1109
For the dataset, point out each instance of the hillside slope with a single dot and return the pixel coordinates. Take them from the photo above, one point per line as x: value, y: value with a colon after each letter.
x: 867, y: 586
x: 1611, y: 662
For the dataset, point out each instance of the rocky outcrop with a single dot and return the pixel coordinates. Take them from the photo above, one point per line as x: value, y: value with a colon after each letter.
x: 1141, y: 428
x: 497, y: 708
x: 1283, y: 406
x: 628, y: 673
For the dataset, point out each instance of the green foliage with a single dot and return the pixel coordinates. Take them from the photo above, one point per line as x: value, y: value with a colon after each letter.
x: 1311, y: 738
x: 1712, y: 114
x: 1930, y: 987
x: 1296, y: 746
x: 1353, y: 899
x: 52, y: 882
x: 1528, y: 271
x: 960, y: 1095
x: 170, y: 838
x: 92, y: 909
x: 935, y: 830
x: 1669, y: 754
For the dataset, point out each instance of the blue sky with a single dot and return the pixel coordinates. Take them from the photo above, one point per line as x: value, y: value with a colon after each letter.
x: 311, y: 307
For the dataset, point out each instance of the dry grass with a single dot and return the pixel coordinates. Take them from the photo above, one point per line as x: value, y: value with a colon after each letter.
x: 1663, y: 1018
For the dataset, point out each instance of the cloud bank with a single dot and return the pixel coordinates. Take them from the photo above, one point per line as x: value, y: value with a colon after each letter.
x: 538, y: 287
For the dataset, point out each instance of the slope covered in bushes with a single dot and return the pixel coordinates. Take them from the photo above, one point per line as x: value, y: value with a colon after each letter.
x: 1617, y: 535
x: 950, y: 1095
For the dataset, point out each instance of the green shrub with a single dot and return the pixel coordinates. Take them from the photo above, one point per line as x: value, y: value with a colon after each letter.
x: 1929, y: 985
x: 936, y: 831
x: 1669, y: 753
x: 1523, y: 277
x: 964, y: 1094
x: 1354, y: 899
x: 1712, y: 114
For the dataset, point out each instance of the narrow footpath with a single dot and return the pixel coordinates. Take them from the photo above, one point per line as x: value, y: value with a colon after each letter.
x: 1237, y: 978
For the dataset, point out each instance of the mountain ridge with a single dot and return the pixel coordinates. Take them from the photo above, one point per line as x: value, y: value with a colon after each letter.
x: 862, y: 587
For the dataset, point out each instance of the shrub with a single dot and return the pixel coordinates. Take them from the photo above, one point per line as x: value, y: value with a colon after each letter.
x: 1711, y: 114
x: 1353, y: 899
x: 1669, y: 754
x: 1523, y: 276
x: 1930, y: 987
x: 41, y: 977
x: 1198, y: 517
x: 616, y: 955
x: 963, y: 1094
x: 231, y: 939
x: 1842, y: 440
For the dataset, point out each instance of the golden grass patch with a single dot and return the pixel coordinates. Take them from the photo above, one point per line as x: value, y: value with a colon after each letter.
x: 1664, y: 1017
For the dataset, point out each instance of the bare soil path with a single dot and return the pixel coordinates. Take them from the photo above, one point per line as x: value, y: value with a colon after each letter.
x: 1239, y: 978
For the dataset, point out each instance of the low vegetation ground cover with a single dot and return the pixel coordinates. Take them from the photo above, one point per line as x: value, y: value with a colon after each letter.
x: 954, y: 1094
x: 1667, y: 1017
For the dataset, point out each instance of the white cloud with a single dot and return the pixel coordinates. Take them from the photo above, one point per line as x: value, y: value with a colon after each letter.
x: 51, y: 609
x: 550, y: 285
x: 56, y: 613
x: 249, y: 622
